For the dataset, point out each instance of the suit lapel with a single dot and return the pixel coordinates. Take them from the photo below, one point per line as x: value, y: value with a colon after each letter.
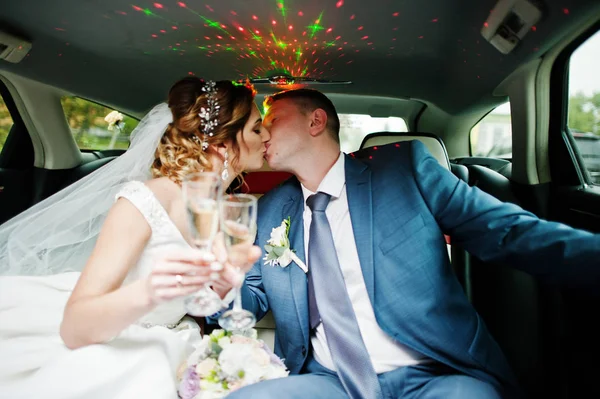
x: 358, y: 189
x: 294, y: 208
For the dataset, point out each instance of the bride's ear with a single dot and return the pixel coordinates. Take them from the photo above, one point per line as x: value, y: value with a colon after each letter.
x: 221, y: 150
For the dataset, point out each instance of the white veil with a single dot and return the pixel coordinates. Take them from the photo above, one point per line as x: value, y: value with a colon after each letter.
x: 58, y: 234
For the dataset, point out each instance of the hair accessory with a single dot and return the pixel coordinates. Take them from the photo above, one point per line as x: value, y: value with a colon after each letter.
x: 210, y: 114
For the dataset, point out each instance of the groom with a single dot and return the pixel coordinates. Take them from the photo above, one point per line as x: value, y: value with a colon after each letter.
x: 380, y: 312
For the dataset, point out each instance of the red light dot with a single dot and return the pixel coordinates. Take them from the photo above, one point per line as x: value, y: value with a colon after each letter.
x: 338, y: 38
x: 274, y: 22
x: 207, y: 38
x: 364, y: 37
x: 154, y: 35
x: 397, y: 145
x: 158, y: 5
x: 163, y: 31
x: 420, y: 37
x: 329, y: 30
x: 174, y: 27
x: 533, y: 28
x: 290, y: 27
x: 375, y: 148
x: 240, y: 29
x: 566, y: 11
x: 209, y: 8
x: 486, y: 24
x: 137, y: 8
x: 434, y: 20
x: 395, y: 14
x: 254, y: 17
x: 352, y: 17
x: 257, y: 32
x: 191, y: 73
x: 370, y: 156
x: 223, y: 26
x: 361, y: 27
x: 300, y: 14
x: 233, y: 12
x: 339, y: 3
x: 182, y: 5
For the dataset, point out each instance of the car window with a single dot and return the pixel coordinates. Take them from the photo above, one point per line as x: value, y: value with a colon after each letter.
x: 354, y: 128
x: 492, y: 136
x: 90, y: 127
x: 584, y: 104
x: 6, y: 122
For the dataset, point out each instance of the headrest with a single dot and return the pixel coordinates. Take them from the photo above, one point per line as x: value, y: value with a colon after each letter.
x: 433, y: 143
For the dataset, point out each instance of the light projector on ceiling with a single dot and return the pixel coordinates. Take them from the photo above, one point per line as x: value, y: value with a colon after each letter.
x: 509, y: 22
x: 13, y: 49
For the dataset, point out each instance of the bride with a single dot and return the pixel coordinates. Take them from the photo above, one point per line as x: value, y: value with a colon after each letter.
x: 123, y: 333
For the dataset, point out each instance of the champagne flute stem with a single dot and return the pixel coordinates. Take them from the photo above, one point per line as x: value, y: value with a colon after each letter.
x: 237, y: 300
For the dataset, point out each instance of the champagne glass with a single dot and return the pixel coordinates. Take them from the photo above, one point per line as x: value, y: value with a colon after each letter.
x: 200, y: 194
x: 238, y: 224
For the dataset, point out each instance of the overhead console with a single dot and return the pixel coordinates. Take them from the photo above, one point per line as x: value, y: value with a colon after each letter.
x: 509, y: 22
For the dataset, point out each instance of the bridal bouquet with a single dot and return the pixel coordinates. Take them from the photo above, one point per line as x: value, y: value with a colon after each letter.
x: 226, y: 361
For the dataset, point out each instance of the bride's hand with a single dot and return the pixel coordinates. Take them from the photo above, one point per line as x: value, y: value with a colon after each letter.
x: 180, y: 274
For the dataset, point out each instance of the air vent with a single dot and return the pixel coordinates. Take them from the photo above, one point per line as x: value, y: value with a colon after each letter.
x: 13, y: 49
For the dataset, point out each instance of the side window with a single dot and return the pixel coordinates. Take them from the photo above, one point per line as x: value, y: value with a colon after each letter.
x: 584, y: 104
x: 354, y: 128
x: 6, y: 123
x: 492, y: 136
x: 91, y: 127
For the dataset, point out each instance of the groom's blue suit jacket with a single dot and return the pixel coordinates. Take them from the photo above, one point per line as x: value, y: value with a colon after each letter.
x: 402, y: 202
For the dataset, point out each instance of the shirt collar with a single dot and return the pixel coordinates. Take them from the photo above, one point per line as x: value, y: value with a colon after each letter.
x: 333, y: 182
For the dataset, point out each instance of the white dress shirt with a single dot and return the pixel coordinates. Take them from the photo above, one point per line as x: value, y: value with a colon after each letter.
x: 386, y: 354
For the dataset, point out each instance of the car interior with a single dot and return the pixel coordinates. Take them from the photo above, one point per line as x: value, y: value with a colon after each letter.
x: 504, y: 94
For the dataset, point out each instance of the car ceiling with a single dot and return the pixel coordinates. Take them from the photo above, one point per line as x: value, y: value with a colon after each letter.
x: 128, y: 54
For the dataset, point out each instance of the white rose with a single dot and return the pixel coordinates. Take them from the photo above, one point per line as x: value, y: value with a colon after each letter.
x: 261, y: 357
x: 210, y: 390
x: 278, y: 236
x: 223, y: 342
x: 205, y: 367
x: 276, y: 372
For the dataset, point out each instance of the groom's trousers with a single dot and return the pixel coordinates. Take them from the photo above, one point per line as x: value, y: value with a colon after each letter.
x: 424, y: 381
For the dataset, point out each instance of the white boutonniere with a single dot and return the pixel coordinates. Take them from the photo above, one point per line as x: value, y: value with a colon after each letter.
x: 278, y: 251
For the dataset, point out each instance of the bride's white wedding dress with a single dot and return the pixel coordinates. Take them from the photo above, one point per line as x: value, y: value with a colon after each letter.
x: 141, y: 362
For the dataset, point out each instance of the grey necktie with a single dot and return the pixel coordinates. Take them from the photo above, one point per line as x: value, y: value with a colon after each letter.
x: 326, y: 283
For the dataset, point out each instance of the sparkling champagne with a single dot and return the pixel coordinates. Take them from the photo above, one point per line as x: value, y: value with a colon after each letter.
x: 203, y: 215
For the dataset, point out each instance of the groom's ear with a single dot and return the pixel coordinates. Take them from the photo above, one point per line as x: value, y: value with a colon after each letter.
x: 318, y: 122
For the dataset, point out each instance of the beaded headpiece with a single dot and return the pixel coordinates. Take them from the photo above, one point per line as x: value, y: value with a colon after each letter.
x: 210, y: 114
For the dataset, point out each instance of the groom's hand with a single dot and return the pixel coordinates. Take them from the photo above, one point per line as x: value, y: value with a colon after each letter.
x: 232, y: 276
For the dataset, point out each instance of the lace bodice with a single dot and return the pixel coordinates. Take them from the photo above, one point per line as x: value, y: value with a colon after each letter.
x: 165, y: 237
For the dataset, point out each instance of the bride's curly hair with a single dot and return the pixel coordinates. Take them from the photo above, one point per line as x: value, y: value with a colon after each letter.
x: 180, y: 150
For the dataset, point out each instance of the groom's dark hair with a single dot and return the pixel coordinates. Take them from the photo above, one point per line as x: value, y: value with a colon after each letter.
x: 307, y: 100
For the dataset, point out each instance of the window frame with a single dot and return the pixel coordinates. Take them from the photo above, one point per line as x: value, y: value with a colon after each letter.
x: 99, y: 152
x: 562, y: 148
x: 471, y: 154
